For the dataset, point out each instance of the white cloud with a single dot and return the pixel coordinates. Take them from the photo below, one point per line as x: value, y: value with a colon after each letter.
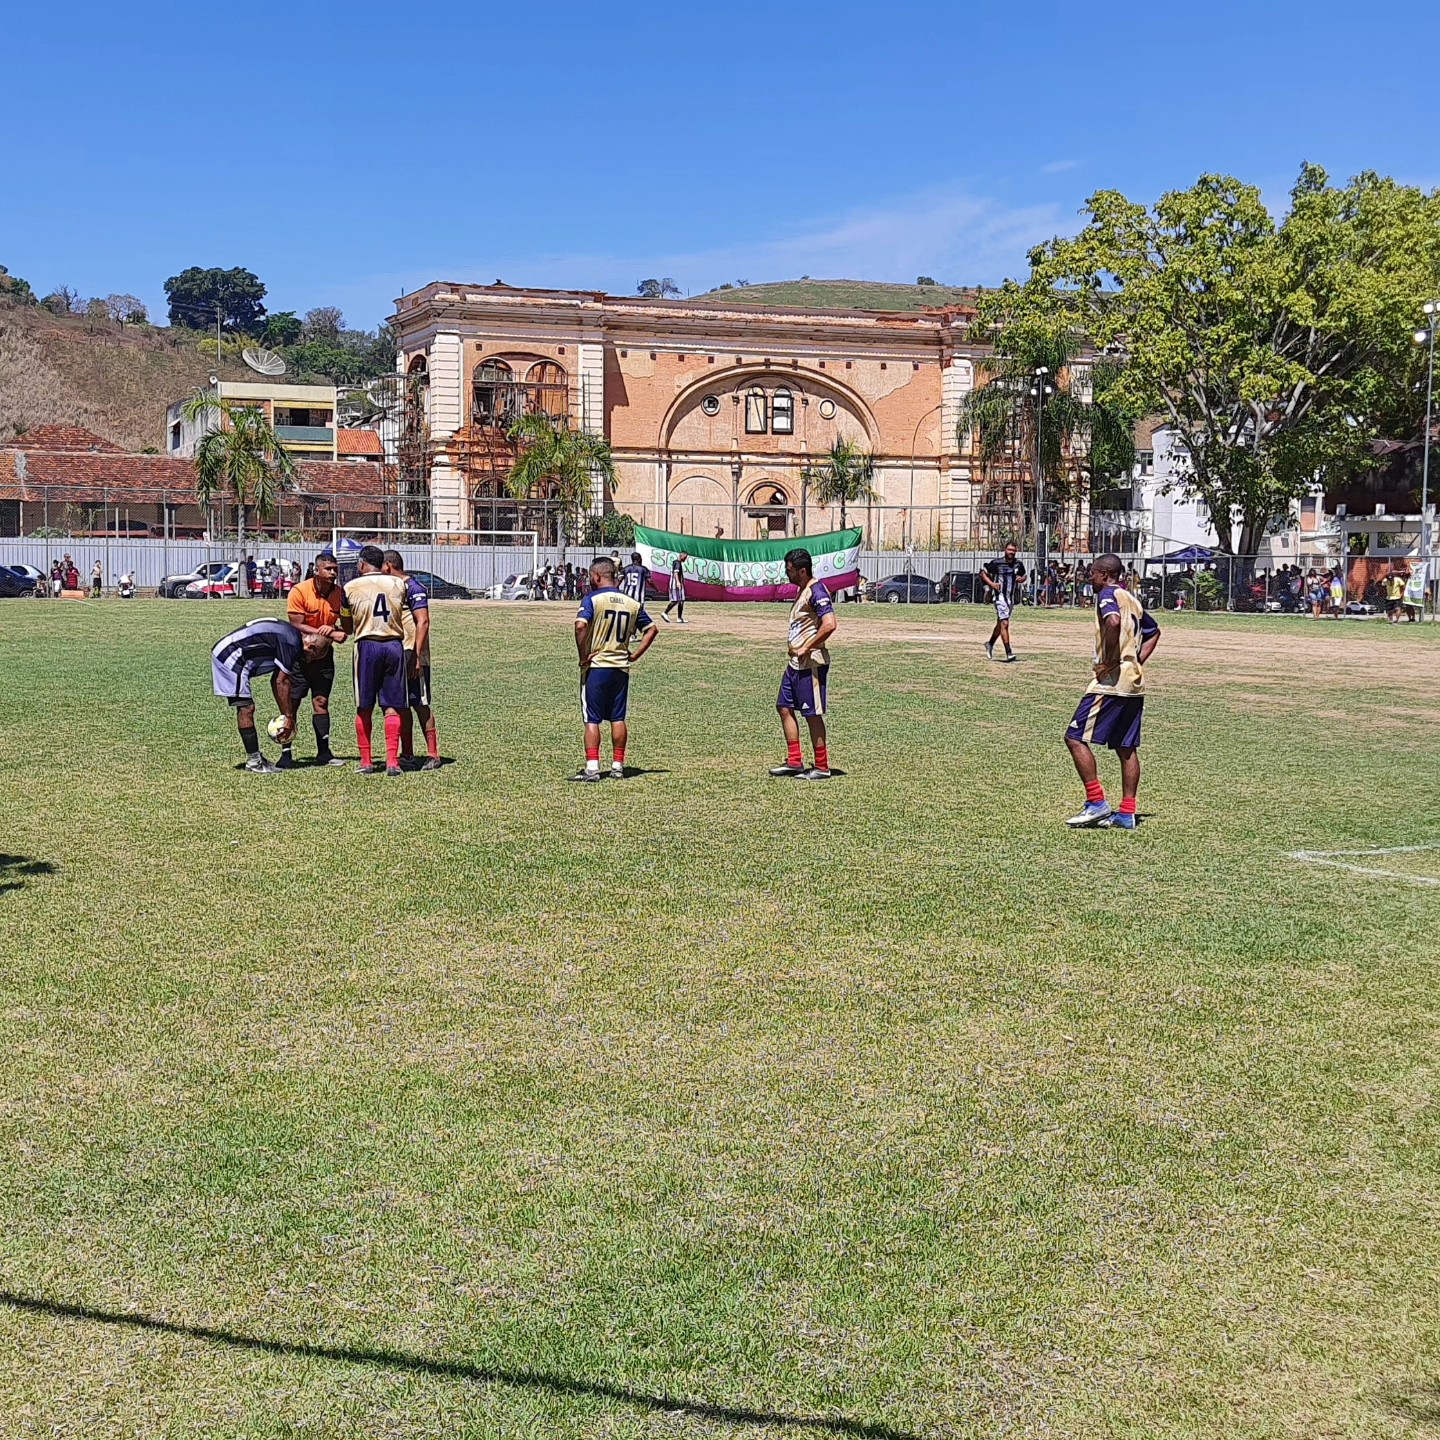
x: 1059, y: 167
x: 953, y: 234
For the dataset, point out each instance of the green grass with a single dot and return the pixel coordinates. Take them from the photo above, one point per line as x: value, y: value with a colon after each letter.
x: 491, y: 1105
x: 844, y: 295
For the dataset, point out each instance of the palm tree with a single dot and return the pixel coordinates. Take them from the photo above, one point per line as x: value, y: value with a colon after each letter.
x: 556, y: 458
x: 239, y: 457
x: 844, y: 477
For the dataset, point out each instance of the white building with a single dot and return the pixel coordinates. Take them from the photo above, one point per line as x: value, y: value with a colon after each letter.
x: 303, y: 417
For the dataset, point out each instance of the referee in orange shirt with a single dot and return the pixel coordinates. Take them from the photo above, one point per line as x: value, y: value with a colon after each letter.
x: 314, y: 610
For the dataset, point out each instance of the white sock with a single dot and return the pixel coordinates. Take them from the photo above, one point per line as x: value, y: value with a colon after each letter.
x: 592, y: 767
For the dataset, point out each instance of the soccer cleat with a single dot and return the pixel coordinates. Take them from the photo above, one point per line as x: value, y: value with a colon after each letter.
x: 1009, y: 656
x: 259, y: 765
x: 1094, y: 812
x: 617, y: 772
x: 393, y: 770
x: 586, y: 777
x: 1120, y: 821
x: 682, y: 621
x: 787, y: 771
x: 286, y: 761
x: 431, y: 763
x: 371, y: 770
x: 989, y: 649
x: 664, y: 617
x: 813, y: 773
x: 327, y: 760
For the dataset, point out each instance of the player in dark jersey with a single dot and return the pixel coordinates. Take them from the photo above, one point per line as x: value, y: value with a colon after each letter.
x: 417, y: 659
x: 633, y: 578
x: 1003, y: 579
x: 263, y: 647
x: 677, y: 589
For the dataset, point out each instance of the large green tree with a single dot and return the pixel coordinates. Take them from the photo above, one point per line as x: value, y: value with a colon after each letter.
x: 196, y: 295
x: 1277, y: 351
x: 239, y: 458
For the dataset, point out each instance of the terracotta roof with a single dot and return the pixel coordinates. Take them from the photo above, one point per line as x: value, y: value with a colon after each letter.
x: 360, y: 442
x: 64, y: 437
x: 342, y: 478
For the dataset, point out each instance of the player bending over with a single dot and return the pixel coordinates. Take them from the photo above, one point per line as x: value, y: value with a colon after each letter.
x: 263, y: 647
x: 374, y: 613
x: 1110, y: 713
x: 417, y: 670
x: 606, y: 623
x: 802, y: 689
x: 1003, y: 579
x: 313, y: 608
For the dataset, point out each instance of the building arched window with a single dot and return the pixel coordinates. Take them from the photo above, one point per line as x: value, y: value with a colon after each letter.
x: 782, y: 412
x: 494, y: 394
x: 755, y: 412
x: 547, y: 391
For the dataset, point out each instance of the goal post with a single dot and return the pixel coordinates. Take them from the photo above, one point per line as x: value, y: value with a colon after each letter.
x: 473, y: 559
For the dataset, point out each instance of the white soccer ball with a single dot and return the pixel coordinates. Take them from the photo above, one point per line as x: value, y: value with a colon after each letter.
x: 276, y: 728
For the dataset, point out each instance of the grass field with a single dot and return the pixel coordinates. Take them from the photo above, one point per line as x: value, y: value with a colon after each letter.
x: 481, y: 1104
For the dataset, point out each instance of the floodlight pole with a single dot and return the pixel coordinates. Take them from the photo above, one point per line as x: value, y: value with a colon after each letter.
x: 1039, y: 389
x: 1427, y: 336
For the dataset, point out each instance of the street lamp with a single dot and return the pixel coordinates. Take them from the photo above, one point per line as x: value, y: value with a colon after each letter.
x: 1040, y: 391
x: 1426, y: 337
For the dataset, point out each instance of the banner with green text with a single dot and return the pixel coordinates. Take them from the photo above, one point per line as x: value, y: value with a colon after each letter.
x: 747, y: 569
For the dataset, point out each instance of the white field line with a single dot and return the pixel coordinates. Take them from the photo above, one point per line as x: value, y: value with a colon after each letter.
x: 1339, y: 860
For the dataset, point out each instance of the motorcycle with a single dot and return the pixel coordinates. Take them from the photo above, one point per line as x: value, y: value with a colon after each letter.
x: 125, y: 584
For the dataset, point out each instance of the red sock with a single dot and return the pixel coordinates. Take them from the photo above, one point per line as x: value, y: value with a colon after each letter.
x: 794, y: 755
x: 407, y: 734
x: 392, y: 741
x: 1094, y: 792
x: 592, y: 754
x: 619, y: 755
x: 822, y: 757
x: 432, y: 738
x: 1127, y: 805
x: 362, y: 734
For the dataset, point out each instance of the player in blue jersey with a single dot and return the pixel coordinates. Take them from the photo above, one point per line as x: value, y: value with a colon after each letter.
x: 633, y: 578
x: 417, y: 659
x: 807, y: 670
x: 606, y: 623
x: 263, y: 647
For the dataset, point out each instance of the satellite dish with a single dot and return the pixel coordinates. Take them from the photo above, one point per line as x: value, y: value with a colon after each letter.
x: 267, y: 362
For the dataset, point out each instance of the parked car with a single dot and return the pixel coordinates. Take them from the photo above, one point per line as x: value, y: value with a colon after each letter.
x: 172, y: 587
x: 14, y: 584
x: 30, y: 573
x: 961, y: 585
x: 221, y: 585
x: 513, y: 587
x: 908, y: 589
x: 438, y: 588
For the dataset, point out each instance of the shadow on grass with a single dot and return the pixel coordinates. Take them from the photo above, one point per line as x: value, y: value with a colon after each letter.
x: 1420, y: 1406
x: 15, y: 870
x: 455, y: 1370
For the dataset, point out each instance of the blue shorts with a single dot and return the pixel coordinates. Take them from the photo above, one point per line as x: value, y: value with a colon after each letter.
x: 380, y: 674
x: 803, y: 691
x: 1112, y: 720
x: 604, y: 695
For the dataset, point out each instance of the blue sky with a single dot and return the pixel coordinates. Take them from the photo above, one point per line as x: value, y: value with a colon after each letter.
x: 349, y: 153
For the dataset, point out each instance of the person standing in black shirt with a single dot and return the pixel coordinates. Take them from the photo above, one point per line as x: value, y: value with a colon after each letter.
x: 1003, y: 579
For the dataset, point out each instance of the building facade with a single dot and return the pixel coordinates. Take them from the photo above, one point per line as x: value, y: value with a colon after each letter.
x: 303, y: 417
x: 713, y: 411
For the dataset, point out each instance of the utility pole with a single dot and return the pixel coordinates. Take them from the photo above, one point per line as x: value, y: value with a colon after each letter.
x: 1426, y: 337
x: 1040, y: 390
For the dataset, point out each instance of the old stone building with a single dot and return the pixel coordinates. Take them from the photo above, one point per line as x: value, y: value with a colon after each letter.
x: 713, y: 410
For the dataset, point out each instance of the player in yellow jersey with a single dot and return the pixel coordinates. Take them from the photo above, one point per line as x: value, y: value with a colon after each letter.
x: 608, y: 620
x: 374, y: 611
x: 1112, y: 707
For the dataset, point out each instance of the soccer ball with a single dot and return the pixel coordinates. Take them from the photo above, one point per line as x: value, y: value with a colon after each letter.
x: 276, y: 728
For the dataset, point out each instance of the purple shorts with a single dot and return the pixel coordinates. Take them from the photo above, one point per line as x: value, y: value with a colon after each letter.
x: 1112, y: 720
x: 605, y: 695
x: 803, y: 691
x: 380, y: 675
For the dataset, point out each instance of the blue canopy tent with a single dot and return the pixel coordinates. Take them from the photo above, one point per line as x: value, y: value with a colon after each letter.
x: 1186, y: 555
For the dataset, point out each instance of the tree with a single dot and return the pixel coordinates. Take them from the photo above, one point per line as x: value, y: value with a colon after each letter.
x: 557, y: 462
x: 845, y: 477
x: 1275, y: 351
x: 239, y: 458
x: 125, y: 309
x: 324, y: 322
x: 12, y: 287
x: 197, y: 295
x: 62, y: 301
x: 657, y: 289
x: 282, y: 328
x: 925, y: 280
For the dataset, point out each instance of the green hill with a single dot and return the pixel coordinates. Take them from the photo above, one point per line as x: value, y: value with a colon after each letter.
x: 843, y: 295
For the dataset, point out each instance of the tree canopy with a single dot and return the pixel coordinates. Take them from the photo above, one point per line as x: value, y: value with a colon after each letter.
x: 196, y: 294
x: 1277, y: 351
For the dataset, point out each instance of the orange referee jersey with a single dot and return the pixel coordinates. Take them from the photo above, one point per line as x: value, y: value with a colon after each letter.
x: 305, y: 607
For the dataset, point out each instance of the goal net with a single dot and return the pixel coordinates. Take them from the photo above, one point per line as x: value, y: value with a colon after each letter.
x: 472, y: 560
